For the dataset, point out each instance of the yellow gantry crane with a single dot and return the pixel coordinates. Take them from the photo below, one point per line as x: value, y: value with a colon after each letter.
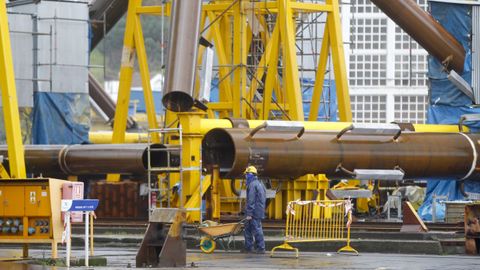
x: 229, y: 26
x: 11, y: 115
x: 225, y: 24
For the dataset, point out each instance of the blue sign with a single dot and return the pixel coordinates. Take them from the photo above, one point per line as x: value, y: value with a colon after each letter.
x: 79, y: 205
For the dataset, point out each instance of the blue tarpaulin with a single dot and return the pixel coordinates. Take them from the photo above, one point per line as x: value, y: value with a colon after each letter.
x: 60, y: 118
x: 137, y: 95
x: 328, y: 105
x: 456, y: 20
x: 439, y: 188
x: 447, y: 103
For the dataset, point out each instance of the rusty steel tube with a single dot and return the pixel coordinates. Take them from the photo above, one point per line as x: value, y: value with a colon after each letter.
x: 424, y: 29
x: 182, y: 55
x: 39, y: 158
x: 282, y: 155
x: 91, y: 159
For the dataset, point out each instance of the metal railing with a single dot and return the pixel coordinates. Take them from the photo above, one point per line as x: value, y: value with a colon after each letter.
x: 317, y: 221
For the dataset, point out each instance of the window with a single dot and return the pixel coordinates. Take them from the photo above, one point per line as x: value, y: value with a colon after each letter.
x: 411, y: 109
x: 369, y: 109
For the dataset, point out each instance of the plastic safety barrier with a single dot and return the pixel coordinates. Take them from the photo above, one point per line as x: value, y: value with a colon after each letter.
x: 317, y: 221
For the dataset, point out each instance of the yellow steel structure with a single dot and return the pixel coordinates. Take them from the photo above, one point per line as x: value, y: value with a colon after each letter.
x: 10, y: 102
x: 225, y: 21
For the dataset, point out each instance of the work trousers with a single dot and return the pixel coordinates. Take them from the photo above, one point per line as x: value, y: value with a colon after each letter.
x: 253, y: 230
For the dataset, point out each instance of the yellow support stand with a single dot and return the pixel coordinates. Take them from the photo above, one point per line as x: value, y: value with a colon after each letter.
x: 10, y: 102
x: 348, y: 248
x: 284, y: 246
x: 191, y: 163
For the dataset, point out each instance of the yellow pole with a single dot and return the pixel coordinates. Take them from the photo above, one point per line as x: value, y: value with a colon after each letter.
x: 239, y: 61
x: 338, y: 58
x: 291, y: 85
x: 320, y: 77
x: 216, y: 193
x: 272, y: 72
x: 91, y: 235
x: 145, y: 74
x: 225, y: 90
x: 9, y: 101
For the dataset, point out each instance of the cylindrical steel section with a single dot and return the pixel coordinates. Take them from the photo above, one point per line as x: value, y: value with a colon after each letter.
x: 96, y: 159
x: 182, y: 55
x: 40, y: 159
x: 92, y: 159
x: 279, y: 154
x: 424, y: 29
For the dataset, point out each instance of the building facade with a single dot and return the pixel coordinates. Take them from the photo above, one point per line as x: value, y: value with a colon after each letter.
x: 387, y: 69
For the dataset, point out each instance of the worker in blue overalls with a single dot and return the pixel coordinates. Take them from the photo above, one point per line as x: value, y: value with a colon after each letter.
x: 255, y: 212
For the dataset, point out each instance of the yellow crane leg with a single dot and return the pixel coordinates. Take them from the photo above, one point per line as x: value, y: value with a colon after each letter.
x: 10, y: 101
x: 126, y: 73
x: 133, y: 47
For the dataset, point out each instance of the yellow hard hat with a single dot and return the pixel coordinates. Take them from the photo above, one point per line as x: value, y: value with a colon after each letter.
x: 250, y: 169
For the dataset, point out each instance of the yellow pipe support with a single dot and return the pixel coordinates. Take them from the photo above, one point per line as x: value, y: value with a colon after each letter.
x: 209, y: 124
x: 105, y: 137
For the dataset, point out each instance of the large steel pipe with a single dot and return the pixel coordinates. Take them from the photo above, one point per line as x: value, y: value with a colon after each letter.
x: 182, y: 55
x: 91, y: 159
x: 283, y: 155
x: 39, y: 159
x: 424, y: 29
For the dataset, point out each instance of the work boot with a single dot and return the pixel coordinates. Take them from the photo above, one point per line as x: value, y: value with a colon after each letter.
x: 260, y: 251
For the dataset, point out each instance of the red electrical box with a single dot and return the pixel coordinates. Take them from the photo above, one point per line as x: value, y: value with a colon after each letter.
x: 73, y: 191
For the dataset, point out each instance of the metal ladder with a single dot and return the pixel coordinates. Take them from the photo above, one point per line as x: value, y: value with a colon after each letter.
x: 153, y: 171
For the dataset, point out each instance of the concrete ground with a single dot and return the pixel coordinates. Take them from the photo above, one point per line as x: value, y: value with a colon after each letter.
x: 122, y: 258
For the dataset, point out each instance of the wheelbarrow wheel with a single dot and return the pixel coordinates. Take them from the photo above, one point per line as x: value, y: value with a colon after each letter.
x: 207, y: 244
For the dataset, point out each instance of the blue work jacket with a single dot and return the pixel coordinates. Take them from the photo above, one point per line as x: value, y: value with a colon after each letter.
x: 256, y: 197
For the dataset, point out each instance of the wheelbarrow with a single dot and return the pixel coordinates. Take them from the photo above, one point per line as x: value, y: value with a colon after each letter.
x: 224, y: 234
